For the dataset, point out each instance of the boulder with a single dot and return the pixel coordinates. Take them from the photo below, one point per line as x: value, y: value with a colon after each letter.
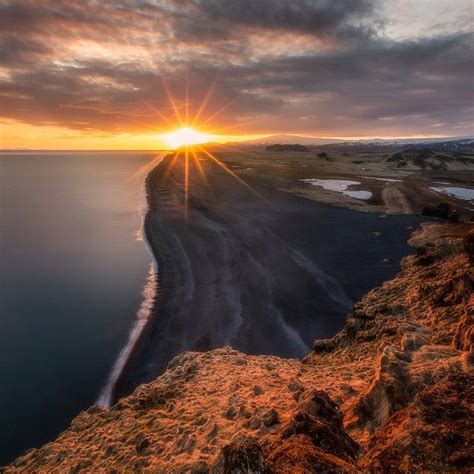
x: 319, y: 419
x: 241, y: 456
x: 441, y: 211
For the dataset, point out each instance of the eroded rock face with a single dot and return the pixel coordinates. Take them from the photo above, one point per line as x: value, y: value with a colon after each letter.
x: 392, y: 392
x: 312, y: 440
x: 432, y: 434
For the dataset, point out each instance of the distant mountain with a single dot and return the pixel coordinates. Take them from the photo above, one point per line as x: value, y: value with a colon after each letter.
x: 446, y: 142
x: 422, y: 157
x: 286, y: 147
x: 276, y: 139
x: 409, y: 141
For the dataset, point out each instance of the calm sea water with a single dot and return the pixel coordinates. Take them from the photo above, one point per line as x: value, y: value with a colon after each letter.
x: 71, y: 278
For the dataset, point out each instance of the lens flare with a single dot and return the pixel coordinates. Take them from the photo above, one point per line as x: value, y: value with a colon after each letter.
x: 188, y: 143
x: 185, y: 136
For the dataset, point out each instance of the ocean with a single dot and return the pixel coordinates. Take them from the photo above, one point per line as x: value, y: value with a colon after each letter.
x: 73, y: 270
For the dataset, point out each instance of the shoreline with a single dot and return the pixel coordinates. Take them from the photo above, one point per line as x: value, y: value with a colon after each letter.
x: 107, y: 397
x: 157, y: 269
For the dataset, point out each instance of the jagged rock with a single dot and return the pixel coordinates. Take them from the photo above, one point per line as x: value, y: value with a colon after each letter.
x: 423, y: 257
x: 241, y: 457
x: 464, y: 338
x: 318, y: 404
x: 390, y: 390
x: 323, y: 345
x: 432, y: 435
x: 298, y: 454
x: 320, y: 419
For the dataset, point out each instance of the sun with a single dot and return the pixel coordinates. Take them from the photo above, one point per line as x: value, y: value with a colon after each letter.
x: 185, y: 136
x: 188, y: 143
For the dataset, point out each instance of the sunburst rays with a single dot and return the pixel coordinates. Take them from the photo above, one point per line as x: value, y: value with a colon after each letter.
x: 192, y: 152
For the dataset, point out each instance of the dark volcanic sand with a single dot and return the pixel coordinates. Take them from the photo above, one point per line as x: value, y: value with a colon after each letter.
x: 266, y: 276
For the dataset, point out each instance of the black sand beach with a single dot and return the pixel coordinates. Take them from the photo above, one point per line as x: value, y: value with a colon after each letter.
x: 264, y: 275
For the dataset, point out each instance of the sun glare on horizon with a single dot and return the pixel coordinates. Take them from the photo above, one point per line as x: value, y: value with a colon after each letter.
x: 185, y: 136
x: 188, y: 142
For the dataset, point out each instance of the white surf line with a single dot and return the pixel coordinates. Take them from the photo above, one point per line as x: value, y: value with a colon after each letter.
x: 142, y: 318
x: 149, y: 293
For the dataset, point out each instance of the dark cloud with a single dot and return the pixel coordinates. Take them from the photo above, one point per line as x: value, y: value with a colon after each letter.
x: 15, y: 50
x: 302, y: 66
x: 337, y: 19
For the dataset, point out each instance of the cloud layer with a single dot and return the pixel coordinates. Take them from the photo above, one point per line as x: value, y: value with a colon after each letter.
x: 325, y: 67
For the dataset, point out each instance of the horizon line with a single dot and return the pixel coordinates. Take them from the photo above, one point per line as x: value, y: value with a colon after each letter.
x: 249, y: 142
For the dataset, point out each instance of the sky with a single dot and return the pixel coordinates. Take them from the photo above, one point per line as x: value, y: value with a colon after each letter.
x: 99, y: 74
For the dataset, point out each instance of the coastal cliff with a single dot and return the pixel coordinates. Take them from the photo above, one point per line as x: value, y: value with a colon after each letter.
x: 391, y: 392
